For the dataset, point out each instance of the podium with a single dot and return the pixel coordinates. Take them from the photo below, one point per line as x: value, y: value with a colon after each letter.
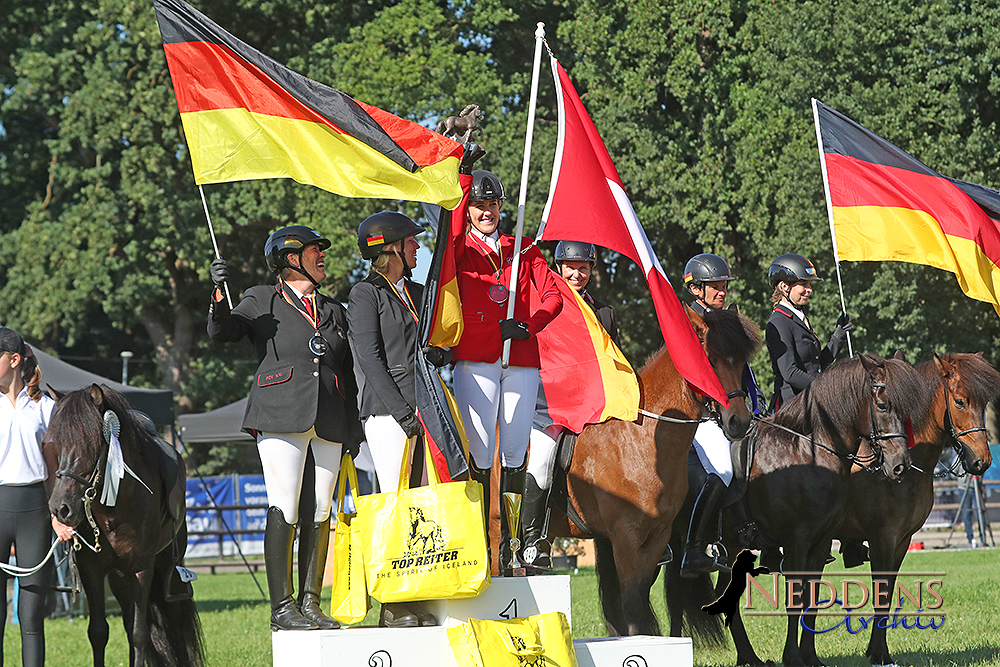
x: 505, y: 598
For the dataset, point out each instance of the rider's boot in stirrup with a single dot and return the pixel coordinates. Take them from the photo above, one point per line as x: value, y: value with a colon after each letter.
x: 855, y: 552
x: 279, y: 536
x: 511, y: 481
x: 703, y: 528
x: 314, y: 541
x: 536, y: 551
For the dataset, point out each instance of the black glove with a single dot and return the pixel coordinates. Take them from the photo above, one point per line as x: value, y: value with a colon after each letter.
x: 219, y: 271
x: 411, y: 425
x: 439, y: 356
x: 352, y: 449
x: 470, y: 155
x: 844, y: 322
x: 514, y: 329
x: 844, y: 325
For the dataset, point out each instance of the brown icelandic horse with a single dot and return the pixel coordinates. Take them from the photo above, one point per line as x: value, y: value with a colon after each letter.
x: 798, y: 485
x: 887, y: 514
x: 138, y: 540
x: 628, y: 479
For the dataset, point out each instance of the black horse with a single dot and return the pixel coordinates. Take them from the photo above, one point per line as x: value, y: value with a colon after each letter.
x: 798, y: 484
x: 135, y: 542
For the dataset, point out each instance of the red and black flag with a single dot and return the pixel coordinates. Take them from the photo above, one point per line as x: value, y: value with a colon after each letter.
x: 247, y: 116
x: 887, y: 205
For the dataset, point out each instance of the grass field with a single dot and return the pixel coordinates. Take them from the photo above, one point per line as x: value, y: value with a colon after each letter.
x: 234, y: 618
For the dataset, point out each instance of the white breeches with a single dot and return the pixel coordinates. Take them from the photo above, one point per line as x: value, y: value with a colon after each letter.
x: 486, y: 394
x: 386, y: 442
x: 714, y: 450
x: 542, y: 454
x: 283, y: 456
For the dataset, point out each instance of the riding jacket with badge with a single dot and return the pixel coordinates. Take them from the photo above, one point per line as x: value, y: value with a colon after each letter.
x: 482, y: 316
x: 383, y: 334
x: 796, y: 354
x: 293, y: 389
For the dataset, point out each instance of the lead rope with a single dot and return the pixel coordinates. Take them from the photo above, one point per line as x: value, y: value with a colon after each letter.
x: 862, y: 461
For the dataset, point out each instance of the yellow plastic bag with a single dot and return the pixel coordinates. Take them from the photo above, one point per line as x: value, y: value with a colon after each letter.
x: 350, y: 594
x: 424, y: 543
x: 536, y: 641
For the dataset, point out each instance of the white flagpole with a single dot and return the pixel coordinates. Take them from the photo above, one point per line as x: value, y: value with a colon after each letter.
x: 215, y: 244
x: 523, y: 194
x: 829, y: 210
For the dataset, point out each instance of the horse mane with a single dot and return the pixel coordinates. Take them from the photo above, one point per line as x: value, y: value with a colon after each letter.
x: 979, y: 378
x: 731, y: 335
x: 81, y: 423
x: 833, y: 397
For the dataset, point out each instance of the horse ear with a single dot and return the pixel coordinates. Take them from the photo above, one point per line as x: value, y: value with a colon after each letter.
x: 700, y: 328
x: 97, y: 396
x: 733, y: 307
x: 943, y: 366
x: 900, y: 355
x: 870, y: 363
x: 54, y: 394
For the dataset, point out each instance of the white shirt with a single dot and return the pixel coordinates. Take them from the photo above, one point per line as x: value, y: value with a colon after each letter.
x: 492, y: 241
x: 801, y: 314
x: 22, y: 428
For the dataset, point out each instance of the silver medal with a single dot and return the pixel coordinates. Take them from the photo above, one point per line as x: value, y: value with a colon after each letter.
x: 318, y: 345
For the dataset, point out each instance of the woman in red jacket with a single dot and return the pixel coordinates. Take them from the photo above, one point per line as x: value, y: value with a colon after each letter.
x: 488, y: 394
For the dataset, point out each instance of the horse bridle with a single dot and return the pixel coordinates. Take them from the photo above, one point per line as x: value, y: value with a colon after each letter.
x: 955, y: 469
x: 864, y: 462
x: 710, y: 404
x: 89, y: 493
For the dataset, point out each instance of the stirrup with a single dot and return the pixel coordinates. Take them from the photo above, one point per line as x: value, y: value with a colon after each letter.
x: 537, y: 558
x: 667, y: 557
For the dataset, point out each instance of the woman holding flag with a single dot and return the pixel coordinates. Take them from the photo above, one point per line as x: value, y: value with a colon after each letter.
x: 486, y: 392
x: 382, y: 313
x: 303, y: 398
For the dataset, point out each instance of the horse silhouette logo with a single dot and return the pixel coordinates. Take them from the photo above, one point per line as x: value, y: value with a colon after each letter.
x: 425, y: 534
x: 528, y: 660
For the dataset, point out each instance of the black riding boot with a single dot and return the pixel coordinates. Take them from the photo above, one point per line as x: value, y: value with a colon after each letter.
x: 536, y: 551
x: 483, y: 477
x: 314, y: 541
x: 703, y: 529
x: 279, y: 536
x: 511, y: 481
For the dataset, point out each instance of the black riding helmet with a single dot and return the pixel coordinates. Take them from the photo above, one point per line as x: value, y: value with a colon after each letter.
x: 486, y: 186
x: 791, y: 268
x: 706, y: 268
x: 288, y: 240
x: 380, y: 229
x: 575, y: 251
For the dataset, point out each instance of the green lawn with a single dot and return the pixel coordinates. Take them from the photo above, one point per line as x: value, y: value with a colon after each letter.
x: 236, y: 629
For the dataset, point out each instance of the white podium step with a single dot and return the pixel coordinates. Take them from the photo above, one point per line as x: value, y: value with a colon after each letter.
x: 428, y: 647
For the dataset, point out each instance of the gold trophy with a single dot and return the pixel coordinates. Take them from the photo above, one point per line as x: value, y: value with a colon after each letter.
x: 512, y: 510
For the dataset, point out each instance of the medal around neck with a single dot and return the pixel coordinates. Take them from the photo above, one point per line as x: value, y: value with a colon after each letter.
x: 498, y: 293
x: 318, y: 345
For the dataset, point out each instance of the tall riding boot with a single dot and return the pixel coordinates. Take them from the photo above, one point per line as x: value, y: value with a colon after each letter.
x: 314, y: 542
x: 536, y: 553
x: 483, y: 477
x: 511, y: 481
x: 703, y: 529
x: 855, y: 552
x: 279, y: 536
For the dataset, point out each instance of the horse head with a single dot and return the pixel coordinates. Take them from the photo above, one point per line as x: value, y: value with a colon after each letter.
x: 730, y: 341
x: 967, y: 384
x: 75, y: 441
x: 885, y: 416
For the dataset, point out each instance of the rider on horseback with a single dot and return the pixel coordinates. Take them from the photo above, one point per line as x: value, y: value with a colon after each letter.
x: 707, y: 277
x: 796, y: 355
x: 575, y: 260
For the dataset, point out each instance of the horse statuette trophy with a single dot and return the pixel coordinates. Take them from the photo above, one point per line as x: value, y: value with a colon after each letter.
x: 512, y: 514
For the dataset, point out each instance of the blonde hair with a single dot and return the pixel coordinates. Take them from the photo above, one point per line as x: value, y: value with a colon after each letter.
x: 777, y: 295
x: 381, y: 263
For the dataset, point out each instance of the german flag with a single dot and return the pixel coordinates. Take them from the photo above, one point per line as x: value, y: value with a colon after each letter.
x: 247, y: 116
x: 444, y: 319
x: 887, y: 205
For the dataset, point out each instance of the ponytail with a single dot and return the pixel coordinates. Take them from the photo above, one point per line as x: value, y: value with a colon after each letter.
x: 31, y: 374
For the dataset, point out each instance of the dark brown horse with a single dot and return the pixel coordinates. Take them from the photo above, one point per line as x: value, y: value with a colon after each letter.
x: 138, y: 540
x: 628, y: 479
x: 887, y: 514
x: 798, y: 483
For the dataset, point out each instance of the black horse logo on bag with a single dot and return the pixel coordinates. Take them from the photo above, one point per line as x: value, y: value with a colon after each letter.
x: 425, y: 534
x: 526, y: 660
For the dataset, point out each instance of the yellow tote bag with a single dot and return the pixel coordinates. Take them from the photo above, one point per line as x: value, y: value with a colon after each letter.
x: 350, y: 595
x: 536, y: 641
x: 424, y: 543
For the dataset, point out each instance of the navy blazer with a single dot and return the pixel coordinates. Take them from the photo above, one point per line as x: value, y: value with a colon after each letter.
x: 293, y: 389
x: 383, y: 336
x: 796, y: 354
